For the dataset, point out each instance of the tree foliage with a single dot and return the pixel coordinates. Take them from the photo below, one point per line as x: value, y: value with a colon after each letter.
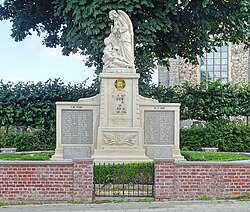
x: 163, y: 29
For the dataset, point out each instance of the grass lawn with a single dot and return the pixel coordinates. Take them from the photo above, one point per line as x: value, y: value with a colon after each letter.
x: 35, y: 156
x: 189, y: 155
x: 210, y: 156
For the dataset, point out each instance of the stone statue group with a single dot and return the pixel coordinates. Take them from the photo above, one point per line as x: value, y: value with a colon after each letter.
x: 119, y: 45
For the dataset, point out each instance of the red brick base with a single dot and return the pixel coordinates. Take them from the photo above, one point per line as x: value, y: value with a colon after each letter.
x: 191, y: 180
x: 46, y: 181
x: 57, y: 181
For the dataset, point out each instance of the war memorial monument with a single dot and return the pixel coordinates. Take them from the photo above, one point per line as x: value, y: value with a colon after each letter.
x: 118, y: 125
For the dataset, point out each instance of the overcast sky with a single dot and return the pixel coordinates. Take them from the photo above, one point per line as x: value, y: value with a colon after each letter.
x: 29, y: 60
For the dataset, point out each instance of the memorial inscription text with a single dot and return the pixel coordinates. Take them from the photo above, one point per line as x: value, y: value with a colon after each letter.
x: 159, y: 127
x: 77, y: 126
x: 120, y: 101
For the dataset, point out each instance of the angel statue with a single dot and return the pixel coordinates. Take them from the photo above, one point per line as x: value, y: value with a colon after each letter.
x: 119, y: 46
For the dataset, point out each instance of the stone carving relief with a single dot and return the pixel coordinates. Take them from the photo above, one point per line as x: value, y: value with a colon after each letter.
x: 119, y: 45
x: 120, y: 138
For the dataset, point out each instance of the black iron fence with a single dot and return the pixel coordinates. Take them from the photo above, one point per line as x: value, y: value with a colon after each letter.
x: 124, y: 180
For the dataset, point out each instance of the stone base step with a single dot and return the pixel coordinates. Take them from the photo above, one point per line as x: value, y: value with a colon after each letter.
x: 120, y: 156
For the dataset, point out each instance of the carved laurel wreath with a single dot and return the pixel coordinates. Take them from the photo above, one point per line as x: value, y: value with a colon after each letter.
x: 120, y: 138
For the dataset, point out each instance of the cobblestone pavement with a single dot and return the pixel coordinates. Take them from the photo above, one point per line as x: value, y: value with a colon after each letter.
x: 180, y: 206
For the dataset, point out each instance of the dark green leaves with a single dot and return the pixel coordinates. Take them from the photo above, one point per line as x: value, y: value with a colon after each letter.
x: 211, y: 101
x: 163, y: 29
x: 227, y: 136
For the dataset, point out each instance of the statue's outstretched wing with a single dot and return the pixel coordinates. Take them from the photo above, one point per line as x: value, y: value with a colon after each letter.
x: 130, y: 26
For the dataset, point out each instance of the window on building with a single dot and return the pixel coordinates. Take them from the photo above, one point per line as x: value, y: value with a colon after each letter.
x: 214, y: 65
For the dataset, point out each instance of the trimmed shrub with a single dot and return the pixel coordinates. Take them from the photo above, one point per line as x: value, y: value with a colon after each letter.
x: 127, y: 173
x: 35, y: 140
x: 208, y: 101
x: 33, y: 104
x: 227, y: 136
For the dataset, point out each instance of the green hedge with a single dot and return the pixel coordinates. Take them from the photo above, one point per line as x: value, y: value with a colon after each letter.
x: 208, y: 101
x: 227, y: 136
x: 35, y: 140
x: 128, y: 173
x: 33, y: 104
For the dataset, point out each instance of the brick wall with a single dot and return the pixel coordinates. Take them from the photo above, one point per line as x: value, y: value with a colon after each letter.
x: 46, y: 181
x: 190, y: 180
x: 57, y: 181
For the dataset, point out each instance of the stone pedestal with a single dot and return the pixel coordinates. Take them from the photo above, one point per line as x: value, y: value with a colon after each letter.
x: 118, y: 125
x: 119, y: 134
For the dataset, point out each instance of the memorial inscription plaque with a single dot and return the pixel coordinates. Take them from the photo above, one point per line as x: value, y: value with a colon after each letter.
x: 77, y: 126
x: 119, y: 103
x: 159, y: 127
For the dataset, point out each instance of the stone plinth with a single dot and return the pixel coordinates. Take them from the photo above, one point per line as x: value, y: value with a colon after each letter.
x: 119, y: 134
x: 118, y: 125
